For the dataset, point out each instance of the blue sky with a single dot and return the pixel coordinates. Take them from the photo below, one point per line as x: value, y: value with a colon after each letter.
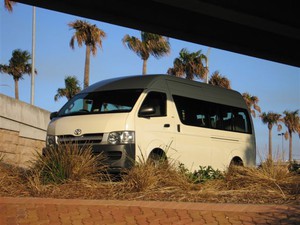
x: 276, y: 85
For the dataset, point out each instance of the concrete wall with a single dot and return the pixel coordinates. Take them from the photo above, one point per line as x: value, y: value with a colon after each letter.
x: 22, y: 130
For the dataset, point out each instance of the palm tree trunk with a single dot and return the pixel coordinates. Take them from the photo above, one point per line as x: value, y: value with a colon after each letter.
x: 86, y: 80
x: 16, y: 89
x: 290, y: 147
x: 270, y: 145
x: 144, y: 67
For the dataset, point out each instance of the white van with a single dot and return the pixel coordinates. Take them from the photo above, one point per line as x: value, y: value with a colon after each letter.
x: 156, y: 116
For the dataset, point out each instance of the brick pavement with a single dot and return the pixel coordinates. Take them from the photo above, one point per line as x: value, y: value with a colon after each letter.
x: 62, y: 211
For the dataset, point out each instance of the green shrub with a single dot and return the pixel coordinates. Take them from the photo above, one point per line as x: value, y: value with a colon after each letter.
x: 207, y: 173
x: 202, y: 174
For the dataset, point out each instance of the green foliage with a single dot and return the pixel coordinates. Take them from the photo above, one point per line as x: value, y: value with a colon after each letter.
x: 149, y: 44
x: 189, y: 65
x: 207, y: 173
x: 18, y: 66
x: 71, y: 88
x: 201, y: 175
x: 294, y: 167
x: 67, y: 162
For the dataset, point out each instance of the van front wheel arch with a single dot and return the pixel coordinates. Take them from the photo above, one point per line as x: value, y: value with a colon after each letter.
x: 157, y: 157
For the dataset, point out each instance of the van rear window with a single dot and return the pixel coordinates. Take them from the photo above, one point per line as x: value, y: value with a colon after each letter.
x: 113, y: 101
x: 195, y: 112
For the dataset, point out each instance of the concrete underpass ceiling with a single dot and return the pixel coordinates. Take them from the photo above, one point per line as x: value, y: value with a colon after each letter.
x: 263, y: 29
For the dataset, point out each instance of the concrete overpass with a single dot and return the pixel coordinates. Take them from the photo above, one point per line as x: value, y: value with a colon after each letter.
x: 263, y: 29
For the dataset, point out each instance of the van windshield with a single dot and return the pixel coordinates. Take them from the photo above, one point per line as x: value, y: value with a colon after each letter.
x: 114, y: 101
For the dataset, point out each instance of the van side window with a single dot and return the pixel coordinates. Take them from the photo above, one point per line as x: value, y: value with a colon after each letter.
x: 194, y: 112
x: 227, y: 119
x: 157, y: 102
x: 214, y: 115
x: 191, y: 112
x: 241, y: 123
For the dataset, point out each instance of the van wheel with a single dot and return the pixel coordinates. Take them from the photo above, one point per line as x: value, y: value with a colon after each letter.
x: 157, y: 158
x: 236, y: 161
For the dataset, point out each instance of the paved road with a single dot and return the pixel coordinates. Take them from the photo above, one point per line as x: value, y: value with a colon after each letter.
x: 61, y: 211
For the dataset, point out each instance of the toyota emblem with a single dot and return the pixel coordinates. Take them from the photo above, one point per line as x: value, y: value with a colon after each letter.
x: 77, y: 132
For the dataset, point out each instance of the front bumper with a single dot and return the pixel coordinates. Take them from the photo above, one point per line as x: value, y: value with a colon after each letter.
x: 116, y: 157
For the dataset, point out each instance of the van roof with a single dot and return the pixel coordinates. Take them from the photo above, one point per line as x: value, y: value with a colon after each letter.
x: 125, y: 82
x: 143, y: 81
x: 159, y: 81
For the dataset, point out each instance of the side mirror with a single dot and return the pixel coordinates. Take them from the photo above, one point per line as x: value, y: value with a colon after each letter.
x: 146, y: 111
x: 53, y: 115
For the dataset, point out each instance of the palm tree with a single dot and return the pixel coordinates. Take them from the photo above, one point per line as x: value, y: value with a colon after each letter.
x: 17, y: 67
x: 9, y: 5
x: 292, y: 121
x: 251, y: 101
x: 189, y: 65
x: 91, y: 36
x: 149, y: 44
x: 271, y: 119
x: 71, y: 88
x: 218, y: 80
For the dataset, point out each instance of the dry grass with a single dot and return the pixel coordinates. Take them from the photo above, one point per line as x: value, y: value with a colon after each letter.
x: 270, y: 183
x: 67, y: 162
x: 1, y: 157
x: 148, y: 176
x: 270, y: 175
x: 13, y: 181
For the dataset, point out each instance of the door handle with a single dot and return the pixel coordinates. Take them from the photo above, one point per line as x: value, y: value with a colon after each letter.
x: 166, y: 125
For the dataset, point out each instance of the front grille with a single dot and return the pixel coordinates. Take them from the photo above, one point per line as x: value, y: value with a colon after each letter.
x: 80, y: 140
x: 113, y: 155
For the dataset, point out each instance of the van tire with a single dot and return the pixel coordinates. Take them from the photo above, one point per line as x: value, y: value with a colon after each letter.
x: 157, y: 157
x: 236, y: 161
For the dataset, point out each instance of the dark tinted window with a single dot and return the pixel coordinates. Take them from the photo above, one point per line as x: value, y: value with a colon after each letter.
x: 200, y: 113
x: 157, y: 101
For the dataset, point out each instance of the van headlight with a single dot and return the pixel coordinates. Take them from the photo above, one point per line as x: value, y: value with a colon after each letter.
x: 121, y: 137
x: 50, y: 140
